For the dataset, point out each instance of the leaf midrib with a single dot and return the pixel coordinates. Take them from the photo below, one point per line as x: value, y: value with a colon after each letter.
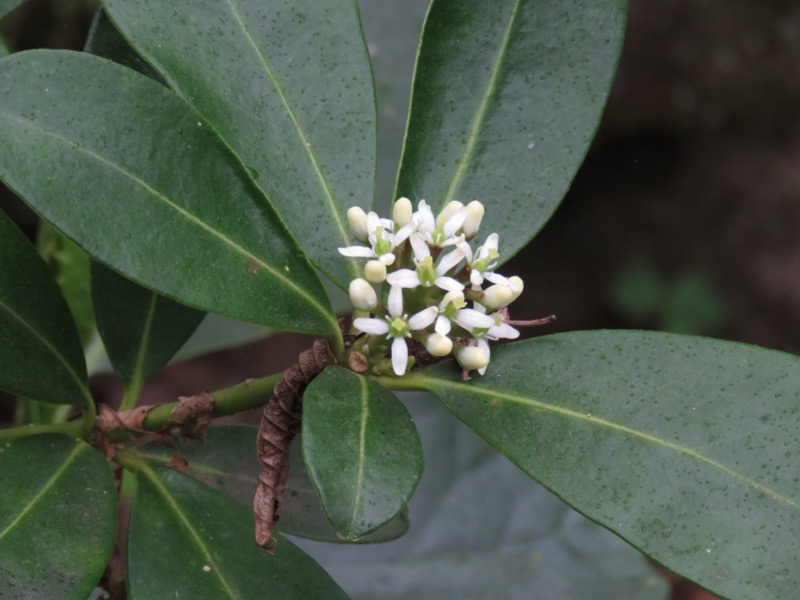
x: 50, y: 483
x: 52, y: 350
x: 483, y: 107
x: 431, y: 384
x: 181, y: 211
x: 306, y: 145
x: 362, y: 437
x: 195, y: 536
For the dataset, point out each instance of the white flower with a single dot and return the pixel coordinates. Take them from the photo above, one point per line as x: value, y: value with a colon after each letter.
x: 483, y: 261
x: 397, y: 326
x: 382, y: 239
x: 427, y: 275
x: 441, y: 231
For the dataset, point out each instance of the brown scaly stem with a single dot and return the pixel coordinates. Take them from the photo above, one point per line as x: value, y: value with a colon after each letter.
x: 279, y: 424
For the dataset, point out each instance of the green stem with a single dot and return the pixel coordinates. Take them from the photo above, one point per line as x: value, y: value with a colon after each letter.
x: 243, y: 396
x: 337, y: 346
x: 406, y: 383
x: 72, y: 429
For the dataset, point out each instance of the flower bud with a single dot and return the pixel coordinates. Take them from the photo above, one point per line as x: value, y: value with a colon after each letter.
x: 357, y: 219
x: 516, y: 284
x: 497, y: 296
x: 375, y: 271
x: 438, y: 345
x: 448, y: 211
x: 401, y: 212
x: 362, y: 295
x: 472, y: 222
x: 472, y: 358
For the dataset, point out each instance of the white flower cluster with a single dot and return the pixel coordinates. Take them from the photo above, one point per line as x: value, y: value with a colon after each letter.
x: 433, y: 274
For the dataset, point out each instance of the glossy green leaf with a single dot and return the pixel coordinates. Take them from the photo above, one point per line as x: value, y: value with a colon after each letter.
x: 141, y: 329
x: 40, y: 352
x: 146, y: 186
x: 685, y: 447
x: 507, y: 96
x: 58, y: 518
x: 187, y: 540
x: 361, y: 449
x: 227, y: 461
x: 481, y: 529
x: 288, y: 86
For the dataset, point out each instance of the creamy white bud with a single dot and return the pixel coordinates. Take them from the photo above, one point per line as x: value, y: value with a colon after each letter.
x: 375, y: 271
x: 475, y: 211
x: 472, y: 357
x: 497, y: 296
x: 357, y: 219
x: 362, y: 295
x: 516, y: 284
x: 438, y: 345
x: 448, y: 211
x: 402, y: 211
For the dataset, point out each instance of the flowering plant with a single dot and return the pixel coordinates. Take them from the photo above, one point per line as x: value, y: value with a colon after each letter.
x: 210, y: 157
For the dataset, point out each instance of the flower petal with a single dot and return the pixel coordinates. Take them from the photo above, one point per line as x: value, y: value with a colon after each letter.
x: 395, y: 302
x: 504, y: 331
x: 449, y: 260
x: 371, y: 326
x: 404, y: 278
x: 399, y: 356
x: 357, y: 251
x: 448, y: 284
x: 423, y: 318
x: 420, y: 247
x: 471, y: 319
x: 442, y: 325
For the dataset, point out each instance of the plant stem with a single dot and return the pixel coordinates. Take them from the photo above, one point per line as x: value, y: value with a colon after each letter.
x: 73, y: 429
x: 406, y: 383
x: 243, y: 396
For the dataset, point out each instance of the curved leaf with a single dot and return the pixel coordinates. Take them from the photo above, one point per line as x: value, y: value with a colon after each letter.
x: 685, y: 447
x: 227, y: 461
x: 506, y: 98
x: 40, y: 353
x: 8, y: 6
x: 361, y: 449
x: 288, y: 86
x: 70, y: 268
x: 58, y: 518
x: 204, y: 547
x: 141, y: 329
x: 146, y: 186
x: 482, y: 529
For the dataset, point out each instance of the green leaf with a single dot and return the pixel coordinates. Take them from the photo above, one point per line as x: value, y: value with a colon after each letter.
x: 40, y: 352
x: 104, y: 40
x: 288, y: 86
x: 482, y: 529
x: 58, y: 518
x: 141, y: 329
x: 506, y: 98
x: 70, y: 267
x: 188, y: 540
x: 7, y: 6
x: 685, y: 447
x: 144, y: 184
x: 227, y: 461
x: 361, y: 449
